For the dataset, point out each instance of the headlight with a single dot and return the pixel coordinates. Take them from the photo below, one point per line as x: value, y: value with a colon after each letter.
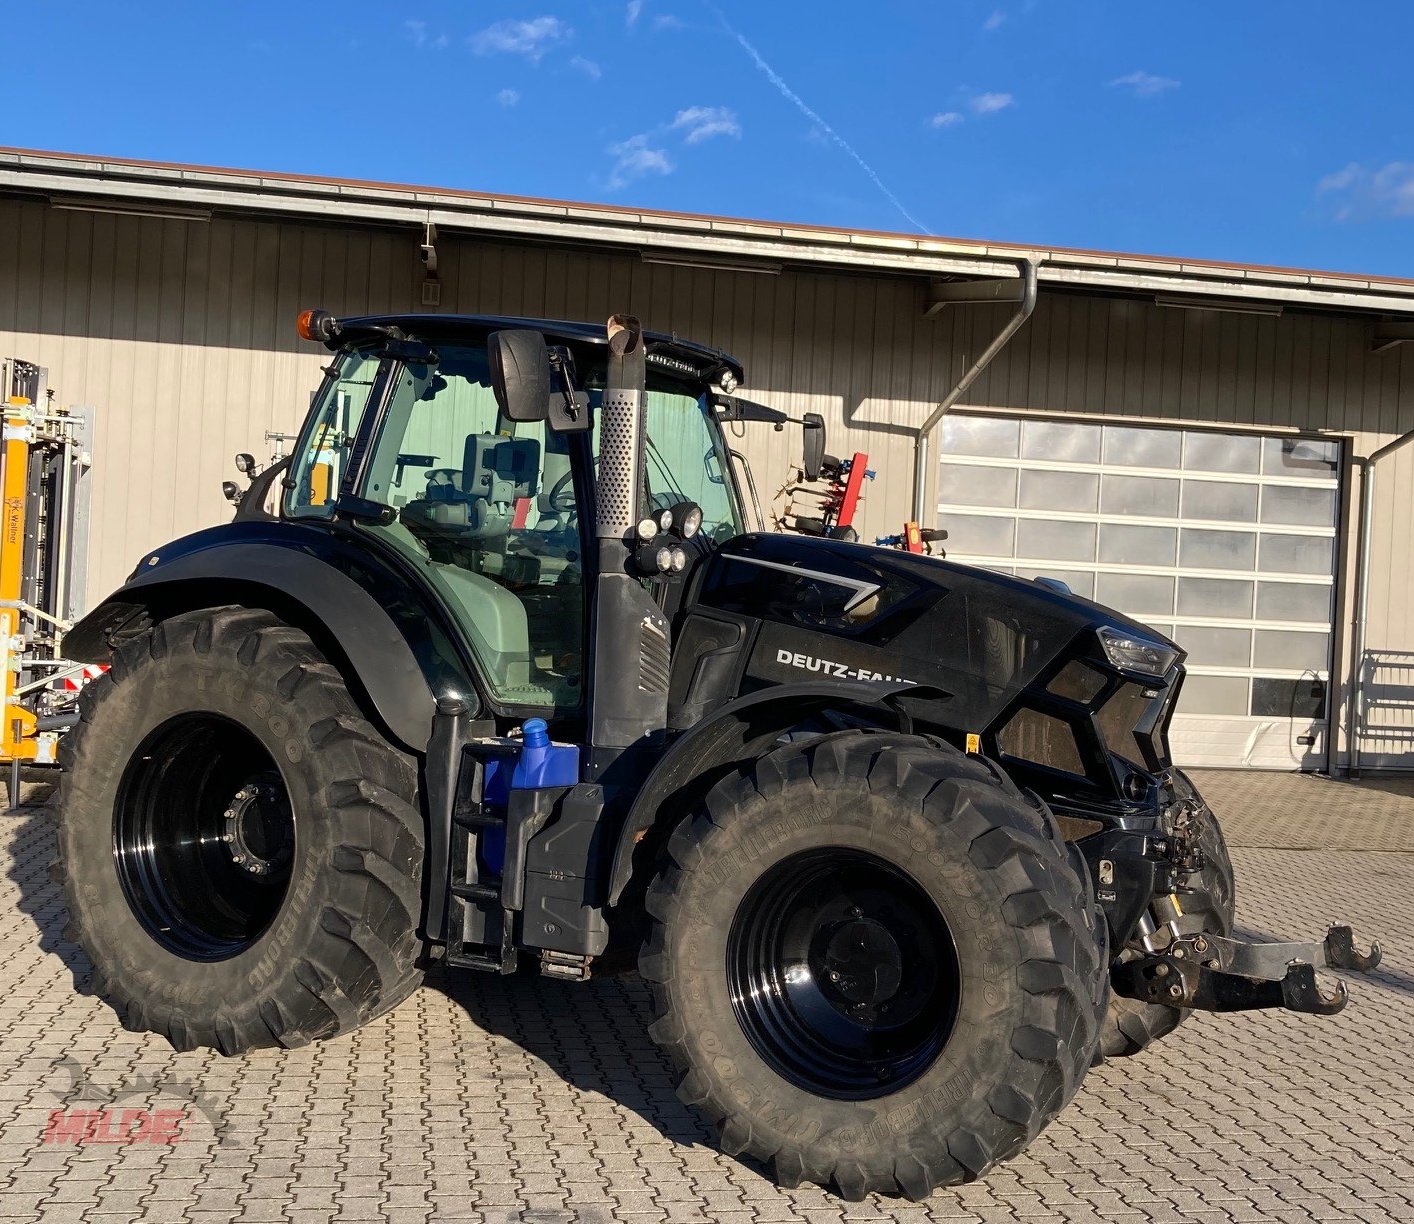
x: 647, y: 529
x: 1136, y: 654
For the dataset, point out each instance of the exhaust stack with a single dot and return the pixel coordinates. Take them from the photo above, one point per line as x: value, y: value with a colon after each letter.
x: 629, y: 703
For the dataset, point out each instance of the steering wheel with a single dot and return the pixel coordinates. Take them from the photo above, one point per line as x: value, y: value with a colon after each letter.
x: 557, y: 490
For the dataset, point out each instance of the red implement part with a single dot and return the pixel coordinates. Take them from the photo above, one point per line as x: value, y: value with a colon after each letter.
x: 850, y: 501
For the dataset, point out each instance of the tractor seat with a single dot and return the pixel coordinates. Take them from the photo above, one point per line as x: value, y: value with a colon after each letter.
x: 495, y: 473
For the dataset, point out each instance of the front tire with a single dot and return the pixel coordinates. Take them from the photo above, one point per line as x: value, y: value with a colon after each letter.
x: 240, y: 849
x: 875, y: 964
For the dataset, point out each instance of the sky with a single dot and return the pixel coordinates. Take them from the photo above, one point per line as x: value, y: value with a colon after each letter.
x: 1258, y: 132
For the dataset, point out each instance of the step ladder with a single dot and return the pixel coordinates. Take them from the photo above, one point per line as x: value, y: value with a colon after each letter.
x: 480, y: 929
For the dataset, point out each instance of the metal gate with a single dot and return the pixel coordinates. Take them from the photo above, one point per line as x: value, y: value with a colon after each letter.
x: 1224, y: 541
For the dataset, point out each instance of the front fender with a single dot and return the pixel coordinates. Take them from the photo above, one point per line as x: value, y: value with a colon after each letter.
x: 733, y: 733
x: 266, y: 575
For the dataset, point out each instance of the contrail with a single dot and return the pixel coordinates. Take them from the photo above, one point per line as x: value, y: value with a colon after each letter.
x: 791, y: 96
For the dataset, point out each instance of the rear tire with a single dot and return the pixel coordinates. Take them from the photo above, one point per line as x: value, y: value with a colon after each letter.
x: 1130, y: 1025
x: 240, y: 849
x: 846, y: 874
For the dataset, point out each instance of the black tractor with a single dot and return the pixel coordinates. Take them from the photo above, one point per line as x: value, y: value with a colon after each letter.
x: 492, y: 672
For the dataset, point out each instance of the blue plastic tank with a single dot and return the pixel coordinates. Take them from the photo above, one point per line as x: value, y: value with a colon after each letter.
x: 541, y: 763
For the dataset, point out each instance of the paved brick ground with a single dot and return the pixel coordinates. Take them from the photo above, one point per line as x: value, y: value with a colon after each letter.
x: 520, y: 1100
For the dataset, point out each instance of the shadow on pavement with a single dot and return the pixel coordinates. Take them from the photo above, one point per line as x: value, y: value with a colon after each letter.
x: 593, y: 1035
x: 33, y: 828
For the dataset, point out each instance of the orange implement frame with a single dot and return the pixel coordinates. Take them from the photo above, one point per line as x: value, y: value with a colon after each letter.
x: 43, y: 483
x: 17, y: 740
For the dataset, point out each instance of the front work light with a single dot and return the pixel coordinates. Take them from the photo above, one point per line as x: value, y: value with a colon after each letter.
x: 687, y: 517
x: 1136, y: 654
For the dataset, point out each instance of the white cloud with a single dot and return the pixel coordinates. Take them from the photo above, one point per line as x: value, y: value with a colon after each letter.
x: 1360, y: 191
x: 634, y: 11
x: 990, y: 103
x: 635, y: 157
x: 995, y: 21
x: 508, y: 97
x: 587, y: 66
x: 945, y: 119
x: 666, y: 21
x: 699, y: 123
x: 422, y: 38
x: 1144, y: 84
x: 1342, y: 180
x: 529, y: 38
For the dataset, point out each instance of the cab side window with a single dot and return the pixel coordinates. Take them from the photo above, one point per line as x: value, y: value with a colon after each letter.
x: 318, y: 466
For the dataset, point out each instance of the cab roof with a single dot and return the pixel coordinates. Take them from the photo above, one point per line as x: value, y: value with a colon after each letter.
x: 683, y: 357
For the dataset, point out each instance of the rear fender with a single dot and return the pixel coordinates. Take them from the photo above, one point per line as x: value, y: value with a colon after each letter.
x: 310, y: 593
x: 740, y: 731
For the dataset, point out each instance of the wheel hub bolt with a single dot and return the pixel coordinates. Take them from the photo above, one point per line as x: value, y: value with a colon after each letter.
x: 834, y: 975
x: 239, y: 858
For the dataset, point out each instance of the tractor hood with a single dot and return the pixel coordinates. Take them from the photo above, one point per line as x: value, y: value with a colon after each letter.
x: 825, y: 608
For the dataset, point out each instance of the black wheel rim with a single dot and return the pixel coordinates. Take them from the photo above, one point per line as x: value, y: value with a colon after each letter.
x: 203, y: 836
x: 843, y: 974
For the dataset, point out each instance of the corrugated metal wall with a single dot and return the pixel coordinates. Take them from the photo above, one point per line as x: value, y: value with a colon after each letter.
x: 181, y: 333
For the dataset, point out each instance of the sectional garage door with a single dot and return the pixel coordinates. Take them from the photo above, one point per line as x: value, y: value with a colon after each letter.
x: 1225, y: 542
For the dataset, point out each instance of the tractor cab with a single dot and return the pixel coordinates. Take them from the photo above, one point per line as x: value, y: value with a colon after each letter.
x: 492, y: 505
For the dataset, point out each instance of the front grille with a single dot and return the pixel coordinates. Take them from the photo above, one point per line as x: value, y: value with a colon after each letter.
x: 1132, y: 725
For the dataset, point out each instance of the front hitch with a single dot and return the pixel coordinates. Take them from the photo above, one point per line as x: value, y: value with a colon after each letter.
x: 1211, y: 973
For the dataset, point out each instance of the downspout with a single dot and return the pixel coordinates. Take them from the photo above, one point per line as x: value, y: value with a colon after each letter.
x: 1027, y: 268
x: 1362, y: 591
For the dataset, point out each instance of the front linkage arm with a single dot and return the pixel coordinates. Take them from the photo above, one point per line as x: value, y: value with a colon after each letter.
x: 1210, y: 973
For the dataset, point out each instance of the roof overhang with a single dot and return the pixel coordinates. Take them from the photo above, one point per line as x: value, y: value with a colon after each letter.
x: 195, y: 193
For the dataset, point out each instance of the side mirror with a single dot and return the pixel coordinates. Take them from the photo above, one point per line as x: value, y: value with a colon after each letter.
x: 814, y: 456
x: 520, y: 374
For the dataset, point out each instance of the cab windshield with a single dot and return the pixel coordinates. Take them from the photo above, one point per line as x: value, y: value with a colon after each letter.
x: 685, y: 459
